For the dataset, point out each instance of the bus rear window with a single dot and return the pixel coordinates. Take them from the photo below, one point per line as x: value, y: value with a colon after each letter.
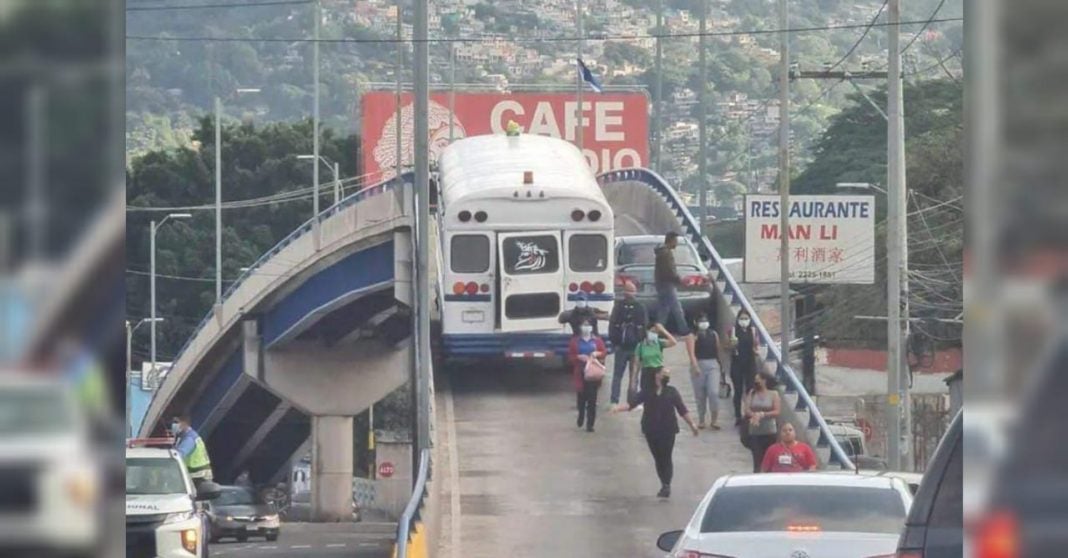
x: 470, y: 253
x: 526, y: 255
x: 588, y: 252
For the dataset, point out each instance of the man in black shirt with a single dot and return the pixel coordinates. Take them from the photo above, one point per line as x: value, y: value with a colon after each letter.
x: 581, y: 313
x: 660, y: 425
x: 626, y: 328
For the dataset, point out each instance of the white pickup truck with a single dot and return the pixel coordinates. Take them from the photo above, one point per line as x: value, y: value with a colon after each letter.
x: 163, y: 517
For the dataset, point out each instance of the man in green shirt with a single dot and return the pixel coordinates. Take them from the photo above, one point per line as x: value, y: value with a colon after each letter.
x: 649, y: 355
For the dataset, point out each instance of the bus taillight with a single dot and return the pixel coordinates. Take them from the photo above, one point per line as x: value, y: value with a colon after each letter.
x: 484, y: 287
x: 573, y: 287
x: 472, y: 287
x: 598, y: 287
x: 458, y: 288
x: 586, y: 286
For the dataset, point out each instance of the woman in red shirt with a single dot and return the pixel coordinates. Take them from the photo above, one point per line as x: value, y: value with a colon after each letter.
x: 788, y: 455
x: 585, y: 346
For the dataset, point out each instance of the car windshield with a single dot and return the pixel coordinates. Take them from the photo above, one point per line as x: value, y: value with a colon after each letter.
x: 235, y: 497
x: 34, y: 411
x: 154, y: 475
x: 823, y: 508
x: 643, y: 254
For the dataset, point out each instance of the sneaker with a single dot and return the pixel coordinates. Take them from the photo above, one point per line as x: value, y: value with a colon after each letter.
x: 701, y: 424
x: 589, y: 429
x: 715, y: 426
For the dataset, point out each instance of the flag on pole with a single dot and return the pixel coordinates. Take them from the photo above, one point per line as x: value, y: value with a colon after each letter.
x: 588, y: 77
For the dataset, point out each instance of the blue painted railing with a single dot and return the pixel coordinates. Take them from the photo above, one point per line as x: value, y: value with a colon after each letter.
x: 413, y: 511
x: 784, y: 371
x: 306, y: 227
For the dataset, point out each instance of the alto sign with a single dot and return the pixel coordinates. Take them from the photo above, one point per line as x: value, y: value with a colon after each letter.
x: 832, y: 239
x: 615, y: 126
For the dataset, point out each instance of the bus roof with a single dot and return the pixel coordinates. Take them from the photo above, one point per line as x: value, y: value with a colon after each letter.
x: 492, y: 166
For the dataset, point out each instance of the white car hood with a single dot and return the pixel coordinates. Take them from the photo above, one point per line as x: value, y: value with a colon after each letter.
x: 794, y: 545
x: 157, y: 504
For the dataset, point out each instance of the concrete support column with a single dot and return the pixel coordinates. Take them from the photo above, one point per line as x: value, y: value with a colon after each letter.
x: 331, y: 475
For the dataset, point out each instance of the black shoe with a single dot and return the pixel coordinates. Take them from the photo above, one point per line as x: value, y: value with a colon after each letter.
x: 665, y: 492
x: 589, y: 429
x: 580, y: 421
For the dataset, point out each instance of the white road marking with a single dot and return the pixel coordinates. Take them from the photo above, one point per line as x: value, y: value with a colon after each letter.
x: 301, y: 546
x: 336, y: 545
x: 454, y: 477
x: 268, y: 547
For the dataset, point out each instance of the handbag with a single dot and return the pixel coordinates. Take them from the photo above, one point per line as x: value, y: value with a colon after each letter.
x: 594, y: 371
x: 725, y: 390
x: 743, y: 434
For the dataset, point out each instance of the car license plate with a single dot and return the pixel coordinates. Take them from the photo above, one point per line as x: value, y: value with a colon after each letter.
x: 252, y: 528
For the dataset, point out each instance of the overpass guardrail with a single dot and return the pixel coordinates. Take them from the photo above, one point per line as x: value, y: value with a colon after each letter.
x: 784, y: 371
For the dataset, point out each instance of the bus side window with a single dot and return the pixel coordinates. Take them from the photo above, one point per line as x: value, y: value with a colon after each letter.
x: 469, y: 253
x: 588, y: 252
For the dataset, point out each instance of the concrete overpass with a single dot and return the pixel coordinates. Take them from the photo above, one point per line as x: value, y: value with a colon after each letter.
x: 309, y: 336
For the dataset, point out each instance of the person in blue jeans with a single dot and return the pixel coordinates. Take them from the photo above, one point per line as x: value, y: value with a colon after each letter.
x: 667, y: 280
x: 626, y: 328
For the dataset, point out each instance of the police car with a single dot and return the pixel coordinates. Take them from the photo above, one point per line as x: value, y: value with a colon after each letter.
x: 163, y: 516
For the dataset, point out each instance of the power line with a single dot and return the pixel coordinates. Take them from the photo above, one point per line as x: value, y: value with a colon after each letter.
x: 862, y: 36
x: 174, y: 7
x: 445, y: 40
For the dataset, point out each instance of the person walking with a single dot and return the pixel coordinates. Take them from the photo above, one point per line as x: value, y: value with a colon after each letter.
x: 192, y: 449
x: 626, y: 328
x: 660, y: 404
x: 762, y: 405
x: 705, y: 372
x: 582, y: 313
x: 586, y: 346
x: 745, y: 346
x: 649, y: 356
x: 789, y: 455
x: 666, y: 276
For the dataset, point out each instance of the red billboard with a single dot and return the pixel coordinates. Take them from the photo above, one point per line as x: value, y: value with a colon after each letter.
x: 615, y: 126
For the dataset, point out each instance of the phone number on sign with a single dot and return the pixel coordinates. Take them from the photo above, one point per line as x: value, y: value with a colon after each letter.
x: 812, y: 275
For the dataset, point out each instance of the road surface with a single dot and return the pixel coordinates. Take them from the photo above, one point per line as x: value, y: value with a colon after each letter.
x: 531, y: 484
x: 306, y: 540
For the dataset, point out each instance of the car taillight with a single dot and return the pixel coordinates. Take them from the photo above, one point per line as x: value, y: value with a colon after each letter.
x: 458, y: 288
x: 695, y: 281
x: 472, y: 287
x: 998, y: 536
x: 598, y: 287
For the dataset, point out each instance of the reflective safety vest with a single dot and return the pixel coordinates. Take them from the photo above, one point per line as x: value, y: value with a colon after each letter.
x: 198, y: 462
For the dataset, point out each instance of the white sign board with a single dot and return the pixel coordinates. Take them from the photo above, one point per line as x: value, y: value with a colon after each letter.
x: 832, y: 239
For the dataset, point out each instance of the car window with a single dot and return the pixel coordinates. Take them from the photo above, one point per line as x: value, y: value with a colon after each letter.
x: 470, y: 253
x: 146, y: 476
x: 644, y: 254
x: 825, y: 508
x: 34, y: 411
x: 947, y: 510
x: 235, y: 497
x: 588, y: 252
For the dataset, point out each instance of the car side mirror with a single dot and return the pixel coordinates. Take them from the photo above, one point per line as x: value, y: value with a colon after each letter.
x: 208, y: 491
x: 667, y: 541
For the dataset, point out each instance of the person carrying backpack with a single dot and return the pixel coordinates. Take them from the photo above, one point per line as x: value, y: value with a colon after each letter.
x: 626, y: 328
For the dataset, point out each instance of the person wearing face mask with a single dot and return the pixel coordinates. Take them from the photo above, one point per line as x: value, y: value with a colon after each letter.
x: 762, y: 406
x: 660, y: 406
x: 626, y: 328
x: 649, y: 355
x: 192, y: 449
x: 745, y: 346
x: 584, y: 346
x: 581, y: 313
x: 704, y: 372
x: 788, y: 455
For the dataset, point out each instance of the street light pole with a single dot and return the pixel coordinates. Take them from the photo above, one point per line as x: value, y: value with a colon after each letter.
x: 334, y: 167
x: 218, y: 203
x: 784, y: 179
x: 130, y: 330
x: 153, y: 227
x: 315, y: 124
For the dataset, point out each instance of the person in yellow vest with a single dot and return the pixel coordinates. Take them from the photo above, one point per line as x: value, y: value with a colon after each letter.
x: 192, y: 448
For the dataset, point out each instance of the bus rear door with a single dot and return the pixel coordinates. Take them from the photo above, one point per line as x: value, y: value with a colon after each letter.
x: 531, y: 280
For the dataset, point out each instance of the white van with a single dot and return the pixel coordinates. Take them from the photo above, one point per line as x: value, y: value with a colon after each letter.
x: 163, y: 517
x: 523, y: 229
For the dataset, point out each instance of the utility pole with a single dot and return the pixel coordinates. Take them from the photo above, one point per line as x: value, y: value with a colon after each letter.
x: 452, y: 91
x: 36, y: 130
x: 578, y: 77
x: 218, y: 206
x: 422, y: 255
x: 897, y: 324
x: 658, y: 87
x: 702, y: 116
x: 400, y: 83
x: 337, y: 183
x: 784, y: 180
x: 315, y: 125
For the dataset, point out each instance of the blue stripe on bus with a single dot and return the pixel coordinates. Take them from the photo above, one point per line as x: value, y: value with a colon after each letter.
x: 593, y: 296
x: 468, y: 298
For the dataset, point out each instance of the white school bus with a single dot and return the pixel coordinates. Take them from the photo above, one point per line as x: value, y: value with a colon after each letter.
x: 524, y: 228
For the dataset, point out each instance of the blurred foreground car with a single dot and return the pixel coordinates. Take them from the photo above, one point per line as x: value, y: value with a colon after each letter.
x: 236, y: 513
x: 636, y: 262
x: 794, y: 515
x: 163, y: 518
x: 50, y: 497
x: 934, y: 528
